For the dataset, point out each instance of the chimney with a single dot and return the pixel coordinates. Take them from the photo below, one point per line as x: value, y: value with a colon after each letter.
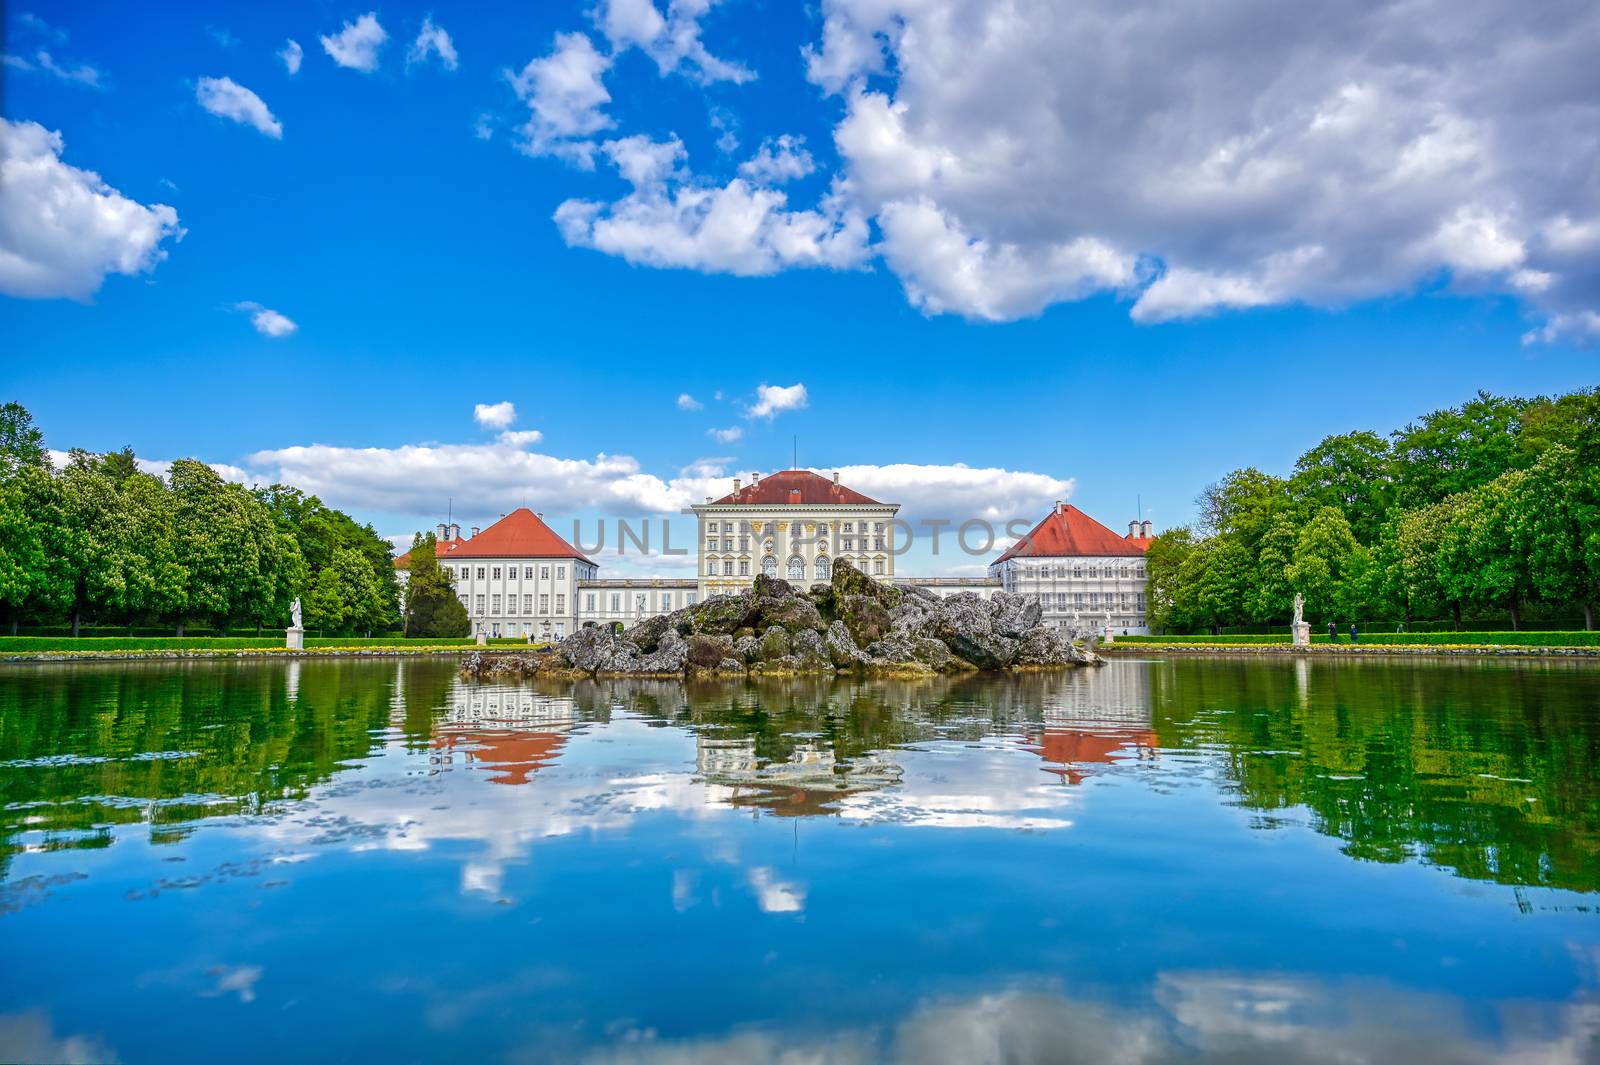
x: 736, y: 484
x: 708, y: 499
x: 443, y: 533
x: 835, y: 476
x: 1060, y: 507
x: 539, y: 515
x: 1145, y: 530
x: 1133, y: 530
x: 455, y: 530
x: 474, y: 530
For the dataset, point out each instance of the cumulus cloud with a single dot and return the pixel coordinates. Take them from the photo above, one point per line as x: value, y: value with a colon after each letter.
x: 494, y: 415
x: 268, y: 322
x: 432, y: 40
x: 356, y: 46
x: 62, y: 229
x: 959, y: 491
x: 688, y: 402
x: 228, y: 99
x: 292, y: 54
x: 565, y: 92
x: 672, y: 41
x: 672, y: 219
x: 1286, y: 160
x: 772, y: 400
x: 520, y: 437
x: 726, y: 436
x: 780, y: 159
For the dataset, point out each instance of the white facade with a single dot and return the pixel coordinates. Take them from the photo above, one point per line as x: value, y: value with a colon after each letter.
x: 1090, y: 587
x: 605, y: 602
x: 796, y: 541
x: 520, y: 596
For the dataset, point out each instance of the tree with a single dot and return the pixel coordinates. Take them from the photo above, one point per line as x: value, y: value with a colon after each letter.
x: 216, y: 541
x: 94, y: 537
x: 325, y: 608
x: 1480, y: 558
x: 1324, y: 556
x: 1271, y: 594
x: 1354, y: 473
x: 24, y: 553
x: 21, y: 443
x: 156, y: 580
x: 431, y: 606
x: 1458, y: 449
x: 1166, y: 595
x: 1245, y: 502
x: 1554, y: 513
x: 1217, y: 577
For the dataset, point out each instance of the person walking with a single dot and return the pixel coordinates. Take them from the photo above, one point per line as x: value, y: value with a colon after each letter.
x: 1352, y: 632
x: 1333, y: 631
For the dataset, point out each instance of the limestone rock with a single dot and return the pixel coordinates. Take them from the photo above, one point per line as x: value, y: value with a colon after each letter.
x: 1015, y: 614
x: 841, y: 648
x: 746, y: 648
x: 775, y: 644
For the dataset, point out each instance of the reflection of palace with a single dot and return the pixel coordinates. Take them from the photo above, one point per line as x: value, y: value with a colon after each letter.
x: 812, y: 778
x: 1100, y: 718
x: 511, y: 732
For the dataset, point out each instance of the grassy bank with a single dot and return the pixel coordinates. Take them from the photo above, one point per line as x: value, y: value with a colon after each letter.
x: 44, y: 648
x: 1388, y: 639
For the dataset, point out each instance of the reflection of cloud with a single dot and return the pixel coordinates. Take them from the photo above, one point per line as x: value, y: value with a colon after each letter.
x: 986, y: 785
x: 774, y: 895
x: 29, y: 1037
x: 1209, y: 1019
x: 233, y: 979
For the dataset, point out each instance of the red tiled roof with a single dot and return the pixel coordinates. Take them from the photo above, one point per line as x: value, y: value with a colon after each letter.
x: 520, y: 534
x: 796, y: 488
x: 1071, y: 532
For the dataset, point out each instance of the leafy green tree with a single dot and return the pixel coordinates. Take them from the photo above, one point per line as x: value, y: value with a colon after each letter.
x: 1554, y: 513
x: 325, y: 608
x: 21, y: 443
x: 1354, y: 473
x: 24, y: 552
x: 431, y: 606
x: 1271, y: 595
x: 1482, y: 559
x: 1324, y: 555
x: 1217, y: 575
x: 217, y: 541
x: 1458, y: 449
x: 93, y: 539
x: 156, y: 581
x: 1244, y: 503
x: 1168, y: 598
x: 1572, y: 421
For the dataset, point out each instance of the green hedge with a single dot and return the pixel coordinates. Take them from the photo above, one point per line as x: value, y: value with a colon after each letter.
x: 221, y: 643
x: 1414, y: 639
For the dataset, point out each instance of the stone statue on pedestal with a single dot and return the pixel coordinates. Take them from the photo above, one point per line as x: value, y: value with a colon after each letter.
x: 294, y: 614
x: 295, y: 638
x: 1299, y: 629
x: 1299, y: 608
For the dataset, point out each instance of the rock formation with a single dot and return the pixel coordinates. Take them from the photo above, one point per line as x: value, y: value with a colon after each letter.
x: 854, y: 625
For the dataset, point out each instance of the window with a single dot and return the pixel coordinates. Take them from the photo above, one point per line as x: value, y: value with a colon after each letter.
x: 1077, y: 571
x: 689, y: 598
x: 588, y: 602
x: 616, y: 602
x: 480, y: 573
x: 561, y: 573
x: 561, y: 629
x: 824, y: 568
x: 877, y: 567
x: 544, y: 604
x: 1077, y: 599
x: 744, y: 567
x: 527, y: 604
x: 1094, y: 598
x: 744, y: 543
x: 711, y: 567
x: 494, y: 574
x: 561, y: 604
x: 727, y: 544
x: 712, y: 526
x: 727, y: 568
x: 480, y: 604
x: 511, y: 604
x: 463, y: 598
x: 769, y: 566
x: 544, y: 573
x: 638, y: 603
x: 527, y: 573
x: 797, y: 568
x: 666, y: 602
x: 1139, y: 573
x: 847, y: 544
x: 494, y: 604
x: 849, y: 526
x: 1061, y: 600
x: 877, y: 544
x: 877, y: 526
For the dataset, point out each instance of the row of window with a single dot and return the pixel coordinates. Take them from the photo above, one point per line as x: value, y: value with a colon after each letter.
x: 845, y: 544
x: 494, y: 573
x: 641, y: 602
x: 1068, y: 601
x: 1091, y: 571
x: 494, y: 601
x: 744, y: 526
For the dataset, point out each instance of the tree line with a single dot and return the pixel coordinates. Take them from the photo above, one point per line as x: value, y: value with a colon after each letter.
x: 100, y: 541
x: 1488, y: 508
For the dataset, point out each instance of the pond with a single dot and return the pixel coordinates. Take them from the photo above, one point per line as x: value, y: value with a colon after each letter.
x: 1157, y: 861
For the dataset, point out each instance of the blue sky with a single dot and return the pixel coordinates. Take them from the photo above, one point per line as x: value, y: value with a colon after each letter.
x: 958, y: 254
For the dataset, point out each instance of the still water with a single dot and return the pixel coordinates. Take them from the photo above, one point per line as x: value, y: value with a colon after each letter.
x: 1157, y: 861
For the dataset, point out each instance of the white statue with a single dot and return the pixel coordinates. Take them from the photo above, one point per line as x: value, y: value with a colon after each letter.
x: 294, y: 614
x: 1299, y: 609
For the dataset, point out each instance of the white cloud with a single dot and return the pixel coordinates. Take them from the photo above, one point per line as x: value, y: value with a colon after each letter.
x: 1578, y: 327
x: 62, y: 229
x: 520, y: 437
x: 772, y: 400
x: 673, y: 41
x: 268, y: 322
x: 228, y: 99
x: 356, y: 45
x: 780, y: 159
x: 688, y: 402
x: 1285, y: 161
x: 726, y: 436
x: 671, y: 219
x: 775, y: 895
x: 494, y: 415
x: 958, y: 491
x: 82, y: 74
x: 483, y: 127
x: 565, y: 93
x: 432, y: 40
x: 292, y: 54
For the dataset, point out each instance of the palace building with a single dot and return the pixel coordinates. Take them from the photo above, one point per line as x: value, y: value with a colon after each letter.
x: 792, y: 524
x: 1077, y: 568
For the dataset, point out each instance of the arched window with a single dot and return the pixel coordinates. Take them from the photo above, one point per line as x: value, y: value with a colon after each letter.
x: 769, y: 566
x: 824, y: 568
x: 797, y: 568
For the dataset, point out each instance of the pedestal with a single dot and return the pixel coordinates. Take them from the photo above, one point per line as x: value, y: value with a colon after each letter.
x: 1302, y: 634
x: 295, y: 639
x: 483, y: 639
x: 1110, y: 637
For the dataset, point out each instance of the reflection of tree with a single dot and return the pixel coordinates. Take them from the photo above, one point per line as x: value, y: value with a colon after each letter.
x: 1485, y: 769
x: 89, y: 747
